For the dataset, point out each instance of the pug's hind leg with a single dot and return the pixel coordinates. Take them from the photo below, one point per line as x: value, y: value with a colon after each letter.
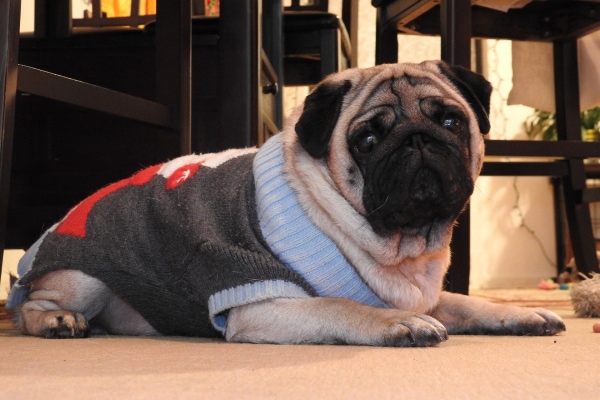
x: 330, y: 321
x: 60, y: 304
x: 39, y: 320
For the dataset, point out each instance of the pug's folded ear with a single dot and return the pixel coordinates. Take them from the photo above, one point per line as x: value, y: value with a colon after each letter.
x: 321, y: 110
x: 474, y: 88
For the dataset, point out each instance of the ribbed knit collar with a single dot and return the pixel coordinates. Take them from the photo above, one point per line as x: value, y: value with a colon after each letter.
x: 295, y: 240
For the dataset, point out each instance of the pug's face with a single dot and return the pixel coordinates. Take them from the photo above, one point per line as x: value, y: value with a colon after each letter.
x: 403, y: 143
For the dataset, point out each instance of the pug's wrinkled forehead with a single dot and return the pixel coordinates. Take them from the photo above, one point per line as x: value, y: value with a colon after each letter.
x: 427, y: 79
x: 350, y: 92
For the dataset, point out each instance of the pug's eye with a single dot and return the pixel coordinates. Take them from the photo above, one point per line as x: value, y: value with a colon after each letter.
x: 365, y: 142
x: 452, y: 123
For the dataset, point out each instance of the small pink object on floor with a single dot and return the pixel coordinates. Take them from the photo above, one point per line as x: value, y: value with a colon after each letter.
x: 596, y: 327
x: 547, y: 285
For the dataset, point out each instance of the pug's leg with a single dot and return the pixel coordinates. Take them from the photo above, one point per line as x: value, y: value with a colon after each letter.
x: 61, y: 303
x: 468, y: 315
x: 57, y: 303
x: 330, y: 321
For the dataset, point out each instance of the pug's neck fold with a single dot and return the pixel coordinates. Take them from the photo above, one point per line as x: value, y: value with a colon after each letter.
x: 296, y: 240
x: 404, y: 271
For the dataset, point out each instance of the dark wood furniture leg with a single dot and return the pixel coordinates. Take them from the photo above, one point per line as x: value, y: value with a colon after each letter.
x: 456, y: 50
x: 239, y: 35
x: 566, y: 83
x: 386, y: 42
x: 173, y: 64
x: 329, y: 52
x: 53, y: 18
x: 455, y: 22
x: 559, y: 223
x: 272, y: 43
x: 10, y: 13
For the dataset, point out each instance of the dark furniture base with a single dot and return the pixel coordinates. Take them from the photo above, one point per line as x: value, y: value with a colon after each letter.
x: 63, y: 153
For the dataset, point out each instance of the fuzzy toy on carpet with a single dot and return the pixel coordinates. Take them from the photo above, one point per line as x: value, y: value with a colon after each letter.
x: 585, y: 297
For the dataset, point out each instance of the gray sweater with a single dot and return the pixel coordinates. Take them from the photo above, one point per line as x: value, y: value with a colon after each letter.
x: 185, y: 241
x: 167, y: 252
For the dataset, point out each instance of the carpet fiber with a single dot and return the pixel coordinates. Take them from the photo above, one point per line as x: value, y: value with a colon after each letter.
x: 464, y: 367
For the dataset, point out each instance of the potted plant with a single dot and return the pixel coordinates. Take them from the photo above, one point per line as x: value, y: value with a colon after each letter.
x: 541, y: 125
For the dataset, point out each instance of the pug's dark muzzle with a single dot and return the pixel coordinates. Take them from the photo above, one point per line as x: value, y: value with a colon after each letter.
x: 415, y: 179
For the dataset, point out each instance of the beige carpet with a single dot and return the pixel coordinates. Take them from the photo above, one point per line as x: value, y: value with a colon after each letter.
x: 464, y: 367
x: 527, y: 297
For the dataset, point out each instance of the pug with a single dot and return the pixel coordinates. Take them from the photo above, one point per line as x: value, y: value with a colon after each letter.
x: 335, y: 231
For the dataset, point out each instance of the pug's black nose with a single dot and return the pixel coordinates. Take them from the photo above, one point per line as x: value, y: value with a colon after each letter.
x: 418, y: 141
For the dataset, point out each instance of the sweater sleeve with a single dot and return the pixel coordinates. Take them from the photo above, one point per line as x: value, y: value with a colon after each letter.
x: 250, y: 278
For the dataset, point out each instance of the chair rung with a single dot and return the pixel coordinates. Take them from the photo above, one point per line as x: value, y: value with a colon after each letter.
x: 82, y: 94
x: 113, y: 21
x: 590, y: 195
x: 499, y: 168
x: 538, y: 148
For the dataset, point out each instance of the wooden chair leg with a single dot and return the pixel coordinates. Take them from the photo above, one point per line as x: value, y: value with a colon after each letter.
x: 173, y: 64
x: 456, y: 50
x: 239, y: 110
x: 10, y: 15
x: 272, y: 43
x: 457, y: 278
x: 455, y: 22
x: 329, y: 56
x: 386, y: 42
x: 579, y: 219
x: 566, y: 83
x: 559, y: 224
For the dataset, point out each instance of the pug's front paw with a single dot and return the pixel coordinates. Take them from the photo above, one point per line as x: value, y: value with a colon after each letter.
x: 521, y: 322
x: 416, y: 330
x: 536, y: 322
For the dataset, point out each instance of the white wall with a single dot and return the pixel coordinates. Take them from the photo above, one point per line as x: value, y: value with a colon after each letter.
x: 9, y: 267
x: 512, y: 240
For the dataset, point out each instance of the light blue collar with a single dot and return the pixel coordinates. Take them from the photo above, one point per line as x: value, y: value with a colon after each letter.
x: 295, y: 240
